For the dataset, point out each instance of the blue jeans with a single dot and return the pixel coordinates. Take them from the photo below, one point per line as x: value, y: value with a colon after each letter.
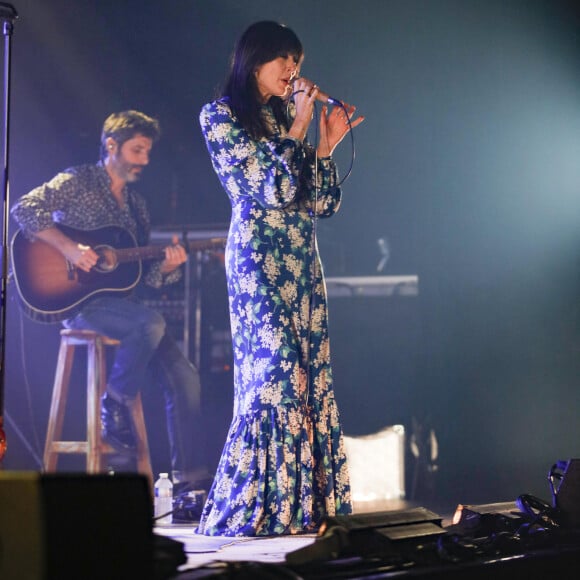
x: 148, y: 352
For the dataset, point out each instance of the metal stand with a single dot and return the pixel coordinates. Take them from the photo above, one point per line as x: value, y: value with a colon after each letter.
x: 190, y: 236
x: 7, y: 16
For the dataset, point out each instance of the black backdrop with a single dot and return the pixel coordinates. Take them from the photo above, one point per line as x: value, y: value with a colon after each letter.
x: 468, y: 164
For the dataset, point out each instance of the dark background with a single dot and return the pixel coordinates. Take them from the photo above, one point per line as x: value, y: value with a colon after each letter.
x: 468, y: 164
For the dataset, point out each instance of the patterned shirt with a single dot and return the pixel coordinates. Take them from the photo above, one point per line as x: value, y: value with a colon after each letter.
x: 81, y: 197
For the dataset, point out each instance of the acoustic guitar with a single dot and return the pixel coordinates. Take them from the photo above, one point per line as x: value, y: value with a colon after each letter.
x: 52, y: 289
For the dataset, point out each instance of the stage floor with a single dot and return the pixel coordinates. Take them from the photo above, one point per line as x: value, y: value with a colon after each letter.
x: 211, y: 553
x: 443, y: 553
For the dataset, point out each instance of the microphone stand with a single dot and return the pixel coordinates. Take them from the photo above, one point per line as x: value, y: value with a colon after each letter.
x: 7, y: 16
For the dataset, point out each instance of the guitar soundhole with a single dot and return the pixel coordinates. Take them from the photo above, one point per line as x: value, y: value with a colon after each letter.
x: 107, y: 259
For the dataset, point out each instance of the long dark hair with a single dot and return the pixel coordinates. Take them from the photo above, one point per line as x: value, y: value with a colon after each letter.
x: 262, y: 42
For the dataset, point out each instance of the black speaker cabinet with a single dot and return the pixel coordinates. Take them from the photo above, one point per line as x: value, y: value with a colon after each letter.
x: 57, y: 526
x: 568, y: 493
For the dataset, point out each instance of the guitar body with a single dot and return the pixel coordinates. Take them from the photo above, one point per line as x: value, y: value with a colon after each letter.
x: 51, y: 289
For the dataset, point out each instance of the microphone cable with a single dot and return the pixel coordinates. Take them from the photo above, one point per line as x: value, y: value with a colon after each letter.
x: 306, y: 357
x: 352, y: 145
x: 314, y: 241
x: 315, y: 255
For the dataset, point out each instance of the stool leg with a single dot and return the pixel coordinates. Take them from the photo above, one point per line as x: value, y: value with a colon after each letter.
x: 95, y: 356
x: 58, y: 403
x: 101, y: 382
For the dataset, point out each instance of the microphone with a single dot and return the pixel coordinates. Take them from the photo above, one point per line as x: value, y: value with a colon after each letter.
x: 324, y: 97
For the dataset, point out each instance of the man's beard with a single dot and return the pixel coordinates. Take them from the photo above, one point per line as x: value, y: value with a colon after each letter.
x: 131, y: 176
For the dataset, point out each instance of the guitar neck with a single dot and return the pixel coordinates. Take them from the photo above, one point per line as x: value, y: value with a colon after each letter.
x: 140, y: 253
x: 158, y: 252
x: 50, y: 290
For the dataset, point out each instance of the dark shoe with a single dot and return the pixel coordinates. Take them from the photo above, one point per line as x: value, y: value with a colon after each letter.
x: 188, y: 507
x: 117, y: 425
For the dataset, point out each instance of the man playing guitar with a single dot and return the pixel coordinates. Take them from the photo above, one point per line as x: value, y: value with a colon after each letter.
x: 95, y: 196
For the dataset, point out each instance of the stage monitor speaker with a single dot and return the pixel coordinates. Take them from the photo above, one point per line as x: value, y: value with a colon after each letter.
x: 567, y: 493
x: 375, y: 534
x: 56, y: 526
x: 483, y: 520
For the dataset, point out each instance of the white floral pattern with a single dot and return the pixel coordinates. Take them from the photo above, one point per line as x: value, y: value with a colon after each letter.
x: 283, y: 466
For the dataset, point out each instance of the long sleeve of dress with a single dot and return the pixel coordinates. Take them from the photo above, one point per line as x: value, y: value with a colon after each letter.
x: 276, y: 172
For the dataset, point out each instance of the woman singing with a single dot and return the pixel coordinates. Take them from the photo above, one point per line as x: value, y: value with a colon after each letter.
x: 283, y: 467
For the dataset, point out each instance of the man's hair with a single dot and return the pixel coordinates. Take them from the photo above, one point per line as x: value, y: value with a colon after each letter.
x: 125, y: 125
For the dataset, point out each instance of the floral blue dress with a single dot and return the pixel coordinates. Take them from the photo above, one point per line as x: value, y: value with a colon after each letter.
x: 283, y: 466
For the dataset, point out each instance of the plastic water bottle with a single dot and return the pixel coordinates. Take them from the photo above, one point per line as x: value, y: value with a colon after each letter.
x: 163, y: 499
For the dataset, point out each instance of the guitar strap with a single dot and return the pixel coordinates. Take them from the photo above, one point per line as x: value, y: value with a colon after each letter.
x: 142, y: 227
x: 142, y: 236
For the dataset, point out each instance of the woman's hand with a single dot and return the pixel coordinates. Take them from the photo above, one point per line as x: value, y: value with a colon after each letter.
x: 335, y: 122
x: 304, y: 93
x: 334, y: 125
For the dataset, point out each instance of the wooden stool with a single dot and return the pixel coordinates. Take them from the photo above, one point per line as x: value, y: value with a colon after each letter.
x: 94, y: 447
